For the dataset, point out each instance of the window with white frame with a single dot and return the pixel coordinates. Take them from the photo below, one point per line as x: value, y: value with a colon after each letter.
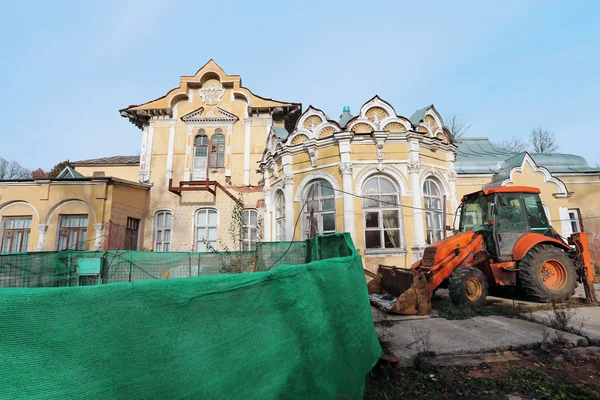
x: 574, y: 220
x: 15, y: 236
x: 72, y: 232
x: 217, y: 149
x: 163, y: 221
x: 249, y: 229
x: 279, y: 216
x: 382, y: 214
x: 200, y: 161
x: 319, y: 215
x: 206, y: 223
x: 434, y: 218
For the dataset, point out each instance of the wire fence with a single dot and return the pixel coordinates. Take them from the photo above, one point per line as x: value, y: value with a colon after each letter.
x: 72, y: 268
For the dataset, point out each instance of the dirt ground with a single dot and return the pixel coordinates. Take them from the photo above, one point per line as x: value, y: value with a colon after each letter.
x: 548, y: 371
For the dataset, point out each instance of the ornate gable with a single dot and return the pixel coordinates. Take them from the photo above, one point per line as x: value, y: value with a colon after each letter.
x: 378, y: 115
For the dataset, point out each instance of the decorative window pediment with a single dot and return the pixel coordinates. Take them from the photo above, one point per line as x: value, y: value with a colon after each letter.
x: 210, y: 115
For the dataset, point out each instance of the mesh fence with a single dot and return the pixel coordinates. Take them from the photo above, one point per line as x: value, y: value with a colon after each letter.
x: 302, y: 330
x: 56, y: 269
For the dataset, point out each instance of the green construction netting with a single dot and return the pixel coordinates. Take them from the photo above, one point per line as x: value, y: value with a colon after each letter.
x: 60, y: 268
x: 302, y: 331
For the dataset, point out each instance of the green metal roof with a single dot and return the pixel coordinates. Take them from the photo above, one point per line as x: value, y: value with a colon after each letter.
x: 345, y: 117
x: 418, y: 115
x: 480, y: 156
x: 281, y: 133
x: 69, y: 173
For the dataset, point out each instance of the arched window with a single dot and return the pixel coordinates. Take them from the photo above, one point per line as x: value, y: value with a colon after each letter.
x: 249, y: 229
x: 163, y: 221
x: 434, y: 218
x: 320, y: 204
x: 200, y: 156
x: 382, y: 214
x: 206, y: 224
x: 279, y: 216
x: 217, y: 149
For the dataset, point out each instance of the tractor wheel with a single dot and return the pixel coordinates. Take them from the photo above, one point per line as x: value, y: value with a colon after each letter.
x: 468, y: 286
x: 546, y: 274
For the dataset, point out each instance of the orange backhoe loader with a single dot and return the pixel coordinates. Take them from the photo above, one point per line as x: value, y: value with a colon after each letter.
x: 503, y: 239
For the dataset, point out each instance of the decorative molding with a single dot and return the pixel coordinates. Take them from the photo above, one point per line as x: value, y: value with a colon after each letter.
x: 394, y: 173
x: 288, y: 179
x: 316, y: 176
x: 547, y: 175
x: 346, y: 168
x: 211, y: 95
x: 211, y: 116
x: 312, y: 153
x: 414, y: 166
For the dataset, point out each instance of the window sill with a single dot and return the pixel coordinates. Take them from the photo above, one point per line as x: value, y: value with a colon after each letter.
x: 384, y: 252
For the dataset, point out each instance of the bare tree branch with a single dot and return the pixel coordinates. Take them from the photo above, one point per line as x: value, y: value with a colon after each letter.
x: 456, y: 126
x: 543, y: 141
x: 515, y: 144
x: 10, y: 170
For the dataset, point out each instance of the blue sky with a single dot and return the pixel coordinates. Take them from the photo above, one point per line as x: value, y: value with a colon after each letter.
x: 505, y: 67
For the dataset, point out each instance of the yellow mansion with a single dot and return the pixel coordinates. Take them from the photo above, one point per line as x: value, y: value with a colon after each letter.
x: 392, y: 182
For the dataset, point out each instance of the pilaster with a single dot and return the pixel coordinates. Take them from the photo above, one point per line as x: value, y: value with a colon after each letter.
x: 42, y: 229
x: 170, y: 151
x: 247, y: 131
x: 98, y: 241
x: 188, y: 154
x: 414, y: 172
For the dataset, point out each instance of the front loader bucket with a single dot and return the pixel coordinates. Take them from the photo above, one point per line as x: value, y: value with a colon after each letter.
x: 410, y: 287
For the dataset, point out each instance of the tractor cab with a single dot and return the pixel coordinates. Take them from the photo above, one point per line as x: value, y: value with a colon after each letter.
x: 503, y: 215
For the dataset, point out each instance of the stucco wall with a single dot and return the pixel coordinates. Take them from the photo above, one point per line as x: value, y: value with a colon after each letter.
x: 45, y: 202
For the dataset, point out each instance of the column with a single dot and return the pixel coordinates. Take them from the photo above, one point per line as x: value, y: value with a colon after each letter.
x: 170, y: 152
x: 142, y: 169
x: 288, y: 181
x: 248, y: 126
x: 267, y: 220
x: 414, y: 170
x: 344, y: 139
x: 346, y: 171
x: 42, y: 229
x: 149, y: 151
x: 98, y: 241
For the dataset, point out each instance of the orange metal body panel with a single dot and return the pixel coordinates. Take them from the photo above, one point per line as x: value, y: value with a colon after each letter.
x: 463, y: 249
x: 504, y: 189
x: 504, y: 274
x: 513, y: 189
x: 532, y: 239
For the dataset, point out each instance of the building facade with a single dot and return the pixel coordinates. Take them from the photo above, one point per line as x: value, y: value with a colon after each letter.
x: 210, y: 147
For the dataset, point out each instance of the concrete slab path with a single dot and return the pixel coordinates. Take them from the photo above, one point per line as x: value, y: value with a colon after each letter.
x: 585, y: 319
x: 474, y: 335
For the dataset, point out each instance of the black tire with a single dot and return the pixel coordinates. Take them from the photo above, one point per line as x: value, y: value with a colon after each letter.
x: 468, y: 286
x: 535, y: 277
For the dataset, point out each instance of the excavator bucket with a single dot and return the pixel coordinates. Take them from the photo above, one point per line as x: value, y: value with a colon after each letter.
x: 411, y: 288
x: 584, y: 265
